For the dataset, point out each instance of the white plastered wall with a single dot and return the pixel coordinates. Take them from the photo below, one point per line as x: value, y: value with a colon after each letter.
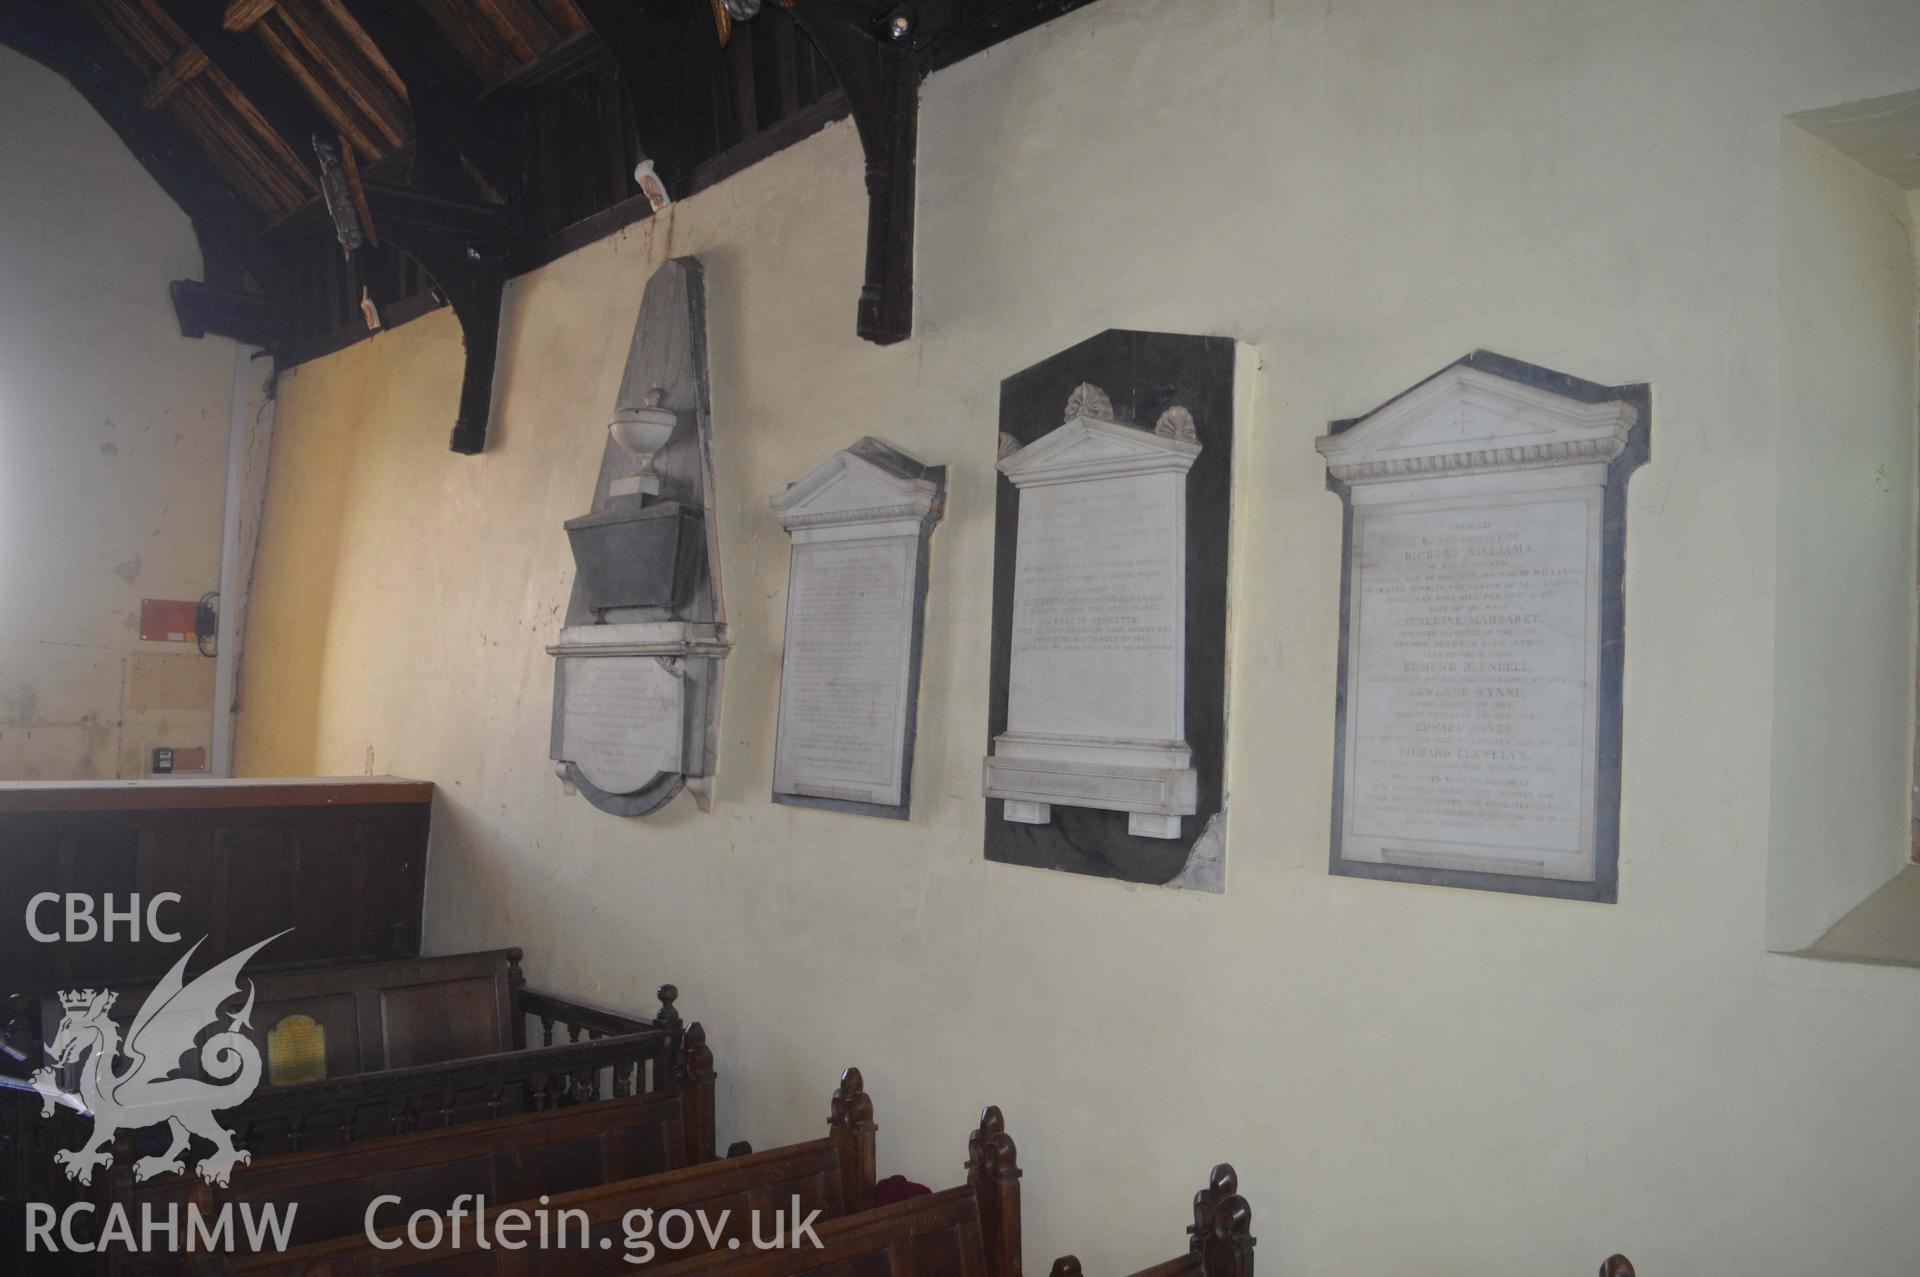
x: 1411, y: 1080
x: 1843, y: 728
x: 113, y: 431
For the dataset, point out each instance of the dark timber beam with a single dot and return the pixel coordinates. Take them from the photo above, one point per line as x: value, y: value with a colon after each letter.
x: 291, y: 114
x: 455, y: 135
x: 220, y: 305
x: 667, y: 56
x: 226, y: 312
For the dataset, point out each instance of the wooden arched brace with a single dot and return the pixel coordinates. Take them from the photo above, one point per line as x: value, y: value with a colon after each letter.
x: 881, y: 78
x: 463, y: 246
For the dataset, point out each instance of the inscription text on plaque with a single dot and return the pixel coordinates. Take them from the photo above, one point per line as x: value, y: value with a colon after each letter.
x: 855, y: 598
x: 1096, y: 685
x: 1473, y: 638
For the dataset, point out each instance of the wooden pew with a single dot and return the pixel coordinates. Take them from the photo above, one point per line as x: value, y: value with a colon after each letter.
x: 325, y: 1192
x: 969, y: 1231
x: 834, y: 1175
x: 358, y: 1050
x: 360, y: 1017
x: 415, y: 1011
x: 1219, y: 1242
x: 342, y: 862
x: 504, y: 1160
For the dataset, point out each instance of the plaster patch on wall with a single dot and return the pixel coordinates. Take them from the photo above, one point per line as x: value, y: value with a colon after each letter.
x: 94, y: 373
x: 1206, y: 867
x: 165, y: 680
x: 19, y: 706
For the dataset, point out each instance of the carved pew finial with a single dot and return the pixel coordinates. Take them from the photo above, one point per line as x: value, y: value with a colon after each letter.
x: 850, y: 1124
x: 993, y: 1169
x: 851, y: 1106
x: 1617, y: 1266
x: 693, y: 1070
x: 991, y: 1124
x: 696, y: 1057
x: 1222, y: 1226
x: 668, y: 1015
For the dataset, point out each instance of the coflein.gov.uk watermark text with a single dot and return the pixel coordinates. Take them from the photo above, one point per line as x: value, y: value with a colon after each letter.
x: 153, y: 1229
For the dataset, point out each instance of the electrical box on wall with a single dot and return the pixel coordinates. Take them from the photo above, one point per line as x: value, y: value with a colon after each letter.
x: 167, y: 760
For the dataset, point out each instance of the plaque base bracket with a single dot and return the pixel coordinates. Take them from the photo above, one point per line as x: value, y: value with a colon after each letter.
x: 1151, y: 781
x: 668, y: 639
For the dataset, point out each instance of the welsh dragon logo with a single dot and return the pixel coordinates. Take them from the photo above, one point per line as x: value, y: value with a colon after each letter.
x: 150, y: 1090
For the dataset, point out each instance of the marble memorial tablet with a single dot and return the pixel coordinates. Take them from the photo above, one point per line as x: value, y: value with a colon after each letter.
x: 1479, y: 724
x: 638, y: 663
x: 620, y: 719
x: 856, y: 594
x: 1106, y: 741
x: 1096, y: 704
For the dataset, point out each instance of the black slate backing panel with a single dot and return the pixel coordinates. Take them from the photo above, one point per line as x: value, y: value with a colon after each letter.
x: 1144, y: 374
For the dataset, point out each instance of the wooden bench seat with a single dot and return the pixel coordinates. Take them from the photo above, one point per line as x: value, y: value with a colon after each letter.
x: 834, y: 1175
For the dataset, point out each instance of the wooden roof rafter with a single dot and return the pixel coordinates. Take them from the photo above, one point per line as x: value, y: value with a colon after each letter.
x: 58, y: 37
x: 337, y: 65
x: 206, y: 103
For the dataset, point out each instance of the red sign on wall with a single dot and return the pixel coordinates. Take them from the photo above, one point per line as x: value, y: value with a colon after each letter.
x: 167, y: 620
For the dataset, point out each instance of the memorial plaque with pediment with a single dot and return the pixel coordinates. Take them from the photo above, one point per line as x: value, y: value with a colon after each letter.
x: 856, y: 602
x: 1107, y: 745
x: 1477, y: 739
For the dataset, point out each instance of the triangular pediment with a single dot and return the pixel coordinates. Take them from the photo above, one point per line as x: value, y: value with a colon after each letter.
x: 851, y: 487
x: 1089, y: 447
x: 1466, y: 419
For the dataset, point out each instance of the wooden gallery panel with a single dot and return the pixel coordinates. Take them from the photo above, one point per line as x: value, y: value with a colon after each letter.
x: 341, y: 863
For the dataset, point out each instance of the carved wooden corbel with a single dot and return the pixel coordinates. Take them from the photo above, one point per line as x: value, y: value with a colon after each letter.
x: 443, y: 218
x: 879, y: 56
x: 463, y: 246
